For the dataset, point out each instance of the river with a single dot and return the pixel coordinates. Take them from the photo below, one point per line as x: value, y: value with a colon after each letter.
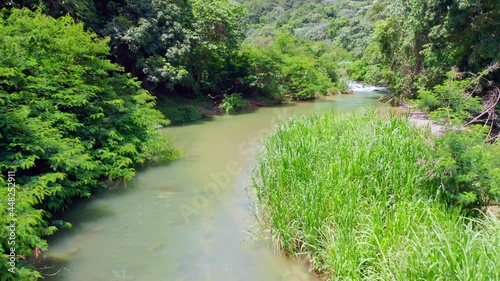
x: 190, y: 219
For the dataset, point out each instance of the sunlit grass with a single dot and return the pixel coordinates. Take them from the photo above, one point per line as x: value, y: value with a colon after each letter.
x: 352, y: 194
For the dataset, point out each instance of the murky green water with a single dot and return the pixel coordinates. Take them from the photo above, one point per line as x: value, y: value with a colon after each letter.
x: 188, y: 220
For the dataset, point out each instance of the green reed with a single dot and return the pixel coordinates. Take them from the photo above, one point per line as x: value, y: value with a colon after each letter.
x: 352, y: 194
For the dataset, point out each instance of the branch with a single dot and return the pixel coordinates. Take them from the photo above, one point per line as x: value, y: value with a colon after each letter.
x: 490, y: 107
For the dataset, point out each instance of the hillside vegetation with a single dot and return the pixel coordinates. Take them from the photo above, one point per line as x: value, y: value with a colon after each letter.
x: 444, y: 53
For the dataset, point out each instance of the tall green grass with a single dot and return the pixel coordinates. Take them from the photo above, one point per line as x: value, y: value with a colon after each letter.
x: 352, y: 194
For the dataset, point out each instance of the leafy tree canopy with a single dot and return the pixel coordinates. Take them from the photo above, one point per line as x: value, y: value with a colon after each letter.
x: 70, y: 121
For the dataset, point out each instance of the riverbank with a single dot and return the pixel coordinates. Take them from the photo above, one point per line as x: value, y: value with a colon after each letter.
x: 355, y: 195
x: 182, y: 111
x: 421, y: 120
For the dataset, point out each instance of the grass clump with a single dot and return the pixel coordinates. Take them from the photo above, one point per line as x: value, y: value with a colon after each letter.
x: 353, y: 195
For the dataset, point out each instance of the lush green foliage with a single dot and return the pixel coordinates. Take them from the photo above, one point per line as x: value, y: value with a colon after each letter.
x: 81, y: 9
x: 293, y: 68
x: 169, y: 45
x: 70, y: 122
x: 420, y: 41
x: 342, y: 21
x: 407, y: 45
x: 310, y: 40
x: 219, y: 28
x: 450, y: 101
x: 192, y: 47
x: 263, y: 75
x: 469, y: 168
x: 177, y: 42
x: 353, y: 194
x: 153, y: 34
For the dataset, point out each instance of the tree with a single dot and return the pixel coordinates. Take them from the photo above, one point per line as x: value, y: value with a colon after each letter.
x: 218, y: 29
x: 423, y: 39
x: 70, y: 122
x: 152, y: 39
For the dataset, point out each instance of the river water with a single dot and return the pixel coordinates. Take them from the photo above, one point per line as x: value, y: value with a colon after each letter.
x: 190, y: 219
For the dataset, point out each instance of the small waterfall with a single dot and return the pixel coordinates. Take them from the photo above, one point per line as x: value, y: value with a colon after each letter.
x: 361, y: 87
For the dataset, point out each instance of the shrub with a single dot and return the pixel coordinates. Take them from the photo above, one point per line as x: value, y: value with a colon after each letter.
x: 303, y: 79
x: 263, y: 73
x: 233, y: 102
x: 469, y: 168
x: 357, y: 70
x: 450, y: 100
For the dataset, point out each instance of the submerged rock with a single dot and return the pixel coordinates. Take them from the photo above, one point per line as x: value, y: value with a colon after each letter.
x: 346, y: 92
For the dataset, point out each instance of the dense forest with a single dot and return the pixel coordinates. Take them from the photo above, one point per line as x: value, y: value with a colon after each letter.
x: 433, y: 51
x: 84, y: 85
